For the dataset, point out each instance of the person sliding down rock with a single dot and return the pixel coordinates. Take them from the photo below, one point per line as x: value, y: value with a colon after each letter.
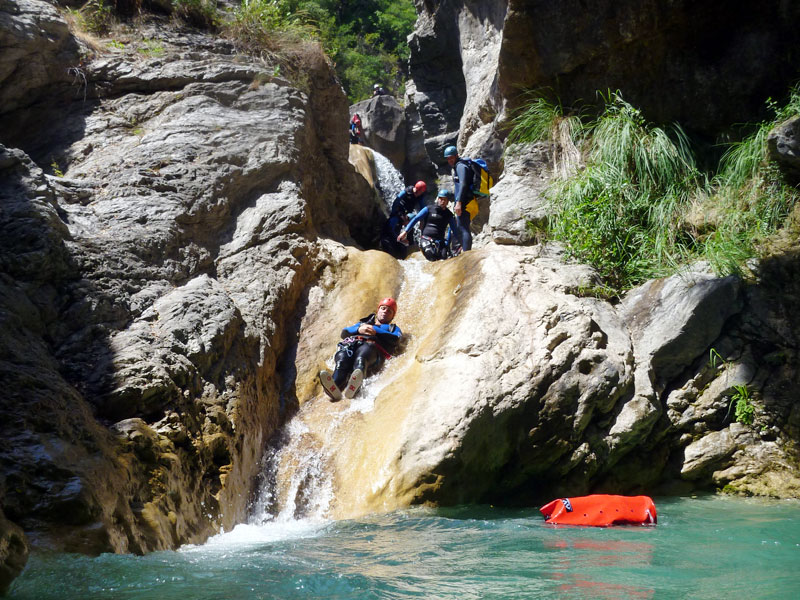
x: 435, y: 220
x: 365, y: 346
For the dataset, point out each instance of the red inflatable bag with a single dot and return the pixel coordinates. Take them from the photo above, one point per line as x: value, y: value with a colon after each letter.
x: 601, y: 510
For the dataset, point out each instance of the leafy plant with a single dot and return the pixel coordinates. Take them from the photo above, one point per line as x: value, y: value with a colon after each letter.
x: 96, y: 16
x: 715, y: 359
x: 619, y: 212
x: 151, y: 48
x: 56, y: 169
x: 745, y: 410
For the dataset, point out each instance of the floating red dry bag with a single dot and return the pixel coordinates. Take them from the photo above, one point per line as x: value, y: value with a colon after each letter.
x: 601, y: 510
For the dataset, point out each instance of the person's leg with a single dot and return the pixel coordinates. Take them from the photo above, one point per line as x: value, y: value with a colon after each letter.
x: 463, y: 229
x: 365, y: 357
x: 429, y: 250
x: 343, y: 361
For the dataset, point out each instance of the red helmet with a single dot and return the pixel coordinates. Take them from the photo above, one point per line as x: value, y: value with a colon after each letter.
x: 420, y: 187
x: 390, y: 303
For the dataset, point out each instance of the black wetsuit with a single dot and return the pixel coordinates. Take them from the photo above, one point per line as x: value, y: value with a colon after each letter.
x: 435, y: 219
x: 463, y: 176
x: 358, y: 351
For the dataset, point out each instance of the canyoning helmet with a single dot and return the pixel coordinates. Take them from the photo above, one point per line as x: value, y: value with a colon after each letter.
x: 390, y: 303
x: 444, y: 193
x: 376, y: 86
x: 420, y: 186
x: 450, y: 151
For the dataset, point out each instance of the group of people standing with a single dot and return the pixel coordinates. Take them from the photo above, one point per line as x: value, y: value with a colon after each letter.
x: 442, y: 233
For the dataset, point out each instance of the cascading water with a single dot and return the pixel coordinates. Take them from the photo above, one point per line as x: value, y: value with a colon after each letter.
x: 390, y: 181
x: 299, y: 480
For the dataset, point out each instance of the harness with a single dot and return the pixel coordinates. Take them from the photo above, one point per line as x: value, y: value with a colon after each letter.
x: 347, y: 343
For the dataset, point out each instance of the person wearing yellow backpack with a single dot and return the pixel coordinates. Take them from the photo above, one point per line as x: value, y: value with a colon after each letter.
x: 466, y: 207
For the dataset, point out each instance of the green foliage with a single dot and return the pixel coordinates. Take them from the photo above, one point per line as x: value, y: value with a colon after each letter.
x: 618, y: 212
x: 202, y: 13
x: 365, y: 38
x: 264, y: 26
x: 151, y: 48
x: 56, y: 168
x: 96, y: 17
x: 632, y: 211
x: 541, y: 120
x: 745, y: 410
x: 715, y: 359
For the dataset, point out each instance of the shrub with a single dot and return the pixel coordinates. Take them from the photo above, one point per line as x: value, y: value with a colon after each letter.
x: 632, y: 211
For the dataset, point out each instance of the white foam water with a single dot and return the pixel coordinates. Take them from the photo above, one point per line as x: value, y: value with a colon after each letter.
x: 297, y: 482
x: 390, y: 181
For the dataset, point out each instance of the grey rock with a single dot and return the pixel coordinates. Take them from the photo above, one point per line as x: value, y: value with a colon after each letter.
x: 517, y: 200
x: 712, y: 451
x: 14, y: 549
x: 783, y: 144
x: 384, y: 124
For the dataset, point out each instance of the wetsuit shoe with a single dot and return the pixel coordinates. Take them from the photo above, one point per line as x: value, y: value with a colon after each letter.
x: 354, y: 383
x: 329, y: 385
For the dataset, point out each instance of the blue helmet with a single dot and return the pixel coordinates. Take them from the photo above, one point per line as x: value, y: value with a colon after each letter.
x: 450, y: 151
x: 443, y: 193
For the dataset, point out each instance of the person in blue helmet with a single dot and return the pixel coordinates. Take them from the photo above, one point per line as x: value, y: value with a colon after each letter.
x: 463, y: 177
x: 365, y: 346
x: 435, y: 238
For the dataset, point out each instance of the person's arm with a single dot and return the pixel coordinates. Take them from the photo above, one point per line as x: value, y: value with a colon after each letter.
x: 388, y: 336
x: 465, y: 186
x: 411, y: 223
x: 451, y: 222
x: 352, y: 330
x: 399, y: 204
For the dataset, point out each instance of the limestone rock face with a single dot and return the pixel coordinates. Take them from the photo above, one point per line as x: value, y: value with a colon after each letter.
x: 517, y: 198
x: 40, y: 57
x: 149, y: 288
x: 454, y: 64
x: 13, y: 552
x: 683, y: 61
x: 513, y: 388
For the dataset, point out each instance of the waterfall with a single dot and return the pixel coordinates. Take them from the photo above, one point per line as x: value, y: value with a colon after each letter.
x: 298, y: 481
x: 389, y: 181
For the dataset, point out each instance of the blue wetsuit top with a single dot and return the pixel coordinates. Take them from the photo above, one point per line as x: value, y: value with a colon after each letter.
x: 386, y: 334
x: 406, y: 202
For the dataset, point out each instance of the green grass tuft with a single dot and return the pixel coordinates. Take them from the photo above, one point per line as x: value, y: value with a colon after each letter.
x: 640, y: 207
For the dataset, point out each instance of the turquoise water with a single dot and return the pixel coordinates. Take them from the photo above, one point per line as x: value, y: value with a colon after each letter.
x: 714, y: 547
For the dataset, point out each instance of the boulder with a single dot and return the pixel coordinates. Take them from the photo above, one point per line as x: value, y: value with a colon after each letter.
x: 517, y: 200
x: 383, y: 120
x: 783, y: 144
x: 40, y: 63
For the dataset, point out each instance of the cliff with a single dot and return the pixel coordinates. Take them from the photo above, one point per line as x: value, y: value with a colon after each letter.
x: 182, y: 237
